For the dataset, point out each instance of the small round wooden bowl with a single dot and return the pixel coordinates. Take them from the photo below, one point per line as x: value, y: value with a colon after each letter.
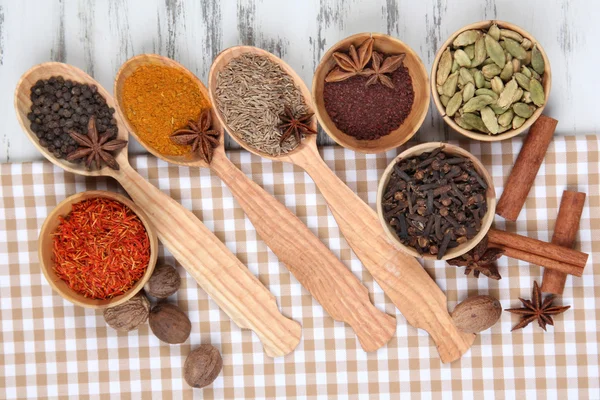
x: 546, y: 83
x: 486, y: 221
x: 45, y: 253
x: 420, y: 82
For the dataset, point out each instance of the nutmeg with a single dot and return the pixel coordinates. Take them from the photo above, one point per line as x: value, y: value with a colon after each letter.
x: 129, y: 315
x: 476, y: 313
x: 164, y: 282
x: 202, y: 366
x: 169, y: 323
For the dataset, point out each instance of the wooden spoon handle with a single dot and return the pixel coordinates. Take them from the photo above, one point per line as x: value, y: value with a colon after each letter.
x: 328, y: 280
x: 401, y: 277
x: 226, y: 280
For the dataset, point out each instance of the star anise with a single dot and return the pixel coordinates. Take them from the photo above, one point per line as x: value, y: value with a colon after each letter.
x: 536, y: 309
x: 199, y: 136
x: 351, y: 64
x: 296, y: 125
x: 380, y: 67
x: 94, y: 148
x: 480, y: 260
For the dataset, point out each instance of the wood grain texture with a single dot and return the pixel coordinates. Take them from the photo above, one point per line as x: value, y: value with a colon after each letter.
x: 328, y: 280
x: 226, y: 280
x: 300, y: 32
x: 565, y: 232
x: 46, y: 246
x: 400, y: 276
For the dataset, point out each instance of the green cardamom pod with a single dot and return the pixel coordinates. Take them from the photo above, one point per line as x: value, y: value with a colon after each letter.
x: 516, y: 64
x: 439, y: 89
x: 454, y: 104
x: 526, y: 71
x: 518, y: 122
x: 523, y: 110
x: 537, y: 60
x: 510, y: 89
x: 466, y: 38
x: 444, y: 67
x: 444, y: 100
x: 535, y: 75
x: 489, y: 120
x: 497, y: 85
x: 495, y: 51
x: 479, y: 79
x: 494, y: 32
x: 487, y: 92
x: 461, y: 122
x: 515, y: 49
x: 455, y: 66
x: 507, y: 71
x: 480, y: 53
x: 537, y: 93
x: 522, y: 80
x: 487, y: 85
x: 506, y: 118
x: 477, y: 103
x: 475, y: 121
x: 490, y: 71
x: 449, y: 87
x: 487, y: 61
x: 527, y: 59
x: 526, y: 98
x: 470, y: 50
x: 526, y: 44
x: 508, y: 56
x: 466, y: 76
x: 518, y: 95
x: 508, y: 34
x: 498, y: 110
x: 503, y: 129
x: 462, y: 58
x: 468, y: 92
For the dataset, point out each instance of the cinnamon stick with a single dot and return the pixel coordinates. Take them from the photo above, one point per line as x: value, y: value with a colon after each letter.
x: 526, y: 167
x: 565, y: 230
x: 545, y: 262
x: 534, y: 246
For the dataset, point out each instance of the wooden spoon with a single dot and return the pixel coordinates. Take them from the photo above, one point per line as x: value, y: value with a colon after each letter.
x: 339, y: 292
x: 239, y: 293
x: 400, y: 276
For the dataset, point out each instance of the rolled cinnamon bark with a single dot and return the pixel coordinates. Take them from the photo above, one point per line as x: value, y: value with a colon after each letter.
x: 565, y: 231
x: 526, y: 167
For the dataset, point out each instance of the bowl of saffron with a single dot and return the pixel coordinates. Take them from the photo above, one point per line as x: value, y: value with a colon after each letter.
x: 97, y: 249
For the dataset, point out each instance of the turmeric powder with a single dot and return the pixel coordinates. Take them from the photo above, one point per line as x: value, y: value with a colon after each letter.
x: 158, y: 100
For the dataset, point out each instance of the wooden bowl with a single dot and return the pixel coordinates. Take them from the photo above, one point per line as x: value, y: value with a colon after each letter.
x: 546, y: 83
x: 45, y: 253
x: 486, y: 221
x: 23, y: 107
x: 420, y: 81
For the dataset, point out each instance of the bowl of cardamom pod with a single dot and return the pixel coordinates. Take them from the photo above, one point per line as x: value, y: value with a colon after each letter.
x: 490, y: 80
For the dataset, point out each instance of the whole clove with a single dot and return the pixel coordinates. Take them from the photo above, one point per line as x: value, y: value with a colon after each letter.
x: 435, y: 201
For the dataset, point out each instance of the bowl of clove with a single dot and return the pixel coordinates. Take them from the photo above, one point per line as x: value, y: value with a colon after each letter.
x: 436, y: 201
x: 490, y: 80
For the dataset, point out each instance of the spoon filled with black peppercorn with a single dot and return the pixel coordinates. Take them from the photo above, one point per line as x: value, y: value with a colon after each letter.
x: 69, y: 117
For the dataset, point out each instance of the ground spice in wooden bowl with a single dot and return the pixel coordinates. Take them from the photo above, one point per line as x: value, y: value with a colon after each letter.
x: 96, y: 250
x: 158, y: 100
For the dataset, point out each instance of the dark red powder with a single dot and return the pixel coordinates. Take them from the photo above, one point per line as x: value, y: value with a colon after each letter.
x: 368, y: 113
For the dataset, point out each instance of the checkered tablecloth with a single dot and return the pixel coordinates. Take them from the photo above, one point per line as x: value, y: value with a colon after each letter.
x: 50, y: 348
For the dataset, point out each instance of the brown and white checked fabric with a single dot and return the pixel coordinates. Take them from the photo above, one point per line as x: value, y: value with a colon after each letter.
x: 50, y: 348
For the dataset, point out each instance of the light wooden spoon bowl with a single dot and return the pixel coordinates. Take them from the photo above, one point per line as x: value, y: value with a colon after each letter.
x: 226, y: 280
x: 400, y: 275
x: 45, y: 253
x: 312, y: 263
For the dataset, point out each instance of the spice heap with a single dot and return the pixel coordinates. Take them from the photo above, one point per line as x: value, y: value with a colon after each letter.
x: 368, y: 95
x: 252, y: 94
x: 101, y: 248
x: 159, y: 100
x: 491, y: 81
x: 60, y: 107
x: 435, y: 201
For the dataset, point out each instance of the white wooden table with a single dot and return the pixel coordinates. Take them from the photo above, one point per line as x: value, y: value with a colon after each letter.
x: 99, y: 36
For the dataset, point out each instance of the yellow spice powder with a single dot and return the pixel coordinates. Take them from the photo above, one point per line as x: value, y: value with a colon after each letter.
x: 158, y: 100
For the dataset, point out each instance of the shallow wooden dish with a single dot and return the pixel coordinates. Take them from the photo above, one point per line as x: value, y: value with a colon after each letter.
x: 486, y: 221
x: 45, y: 254
x: 546, y: 83
x: 420, y: 81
